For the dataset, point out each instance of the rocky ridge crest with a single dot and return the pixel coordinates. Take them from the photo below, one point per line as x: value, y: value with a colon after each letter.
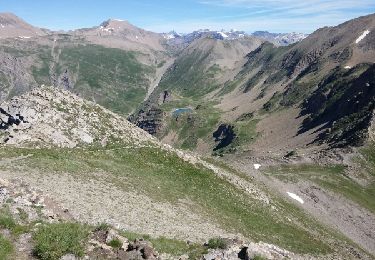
x: 49, y: 116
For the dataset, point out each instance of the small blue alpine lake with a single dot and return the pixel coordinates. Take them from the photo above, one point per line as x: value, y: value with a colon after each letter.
x: 180, y: 111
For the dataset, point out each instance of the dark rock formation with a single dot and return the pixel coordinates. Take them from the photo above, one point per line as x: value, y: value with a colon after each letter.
x: 224, y: 136
x: 165, y: 97
x: 7, y: 120
x: 343, y: 105
x: 150, y: 120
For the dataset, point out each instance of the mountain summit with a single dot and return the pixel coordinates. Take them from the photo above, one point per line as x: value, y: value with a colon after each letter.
x: 12, y: 26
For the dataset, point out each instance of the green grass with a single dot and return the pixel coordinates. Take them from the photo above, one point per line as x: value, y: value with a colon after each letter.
x: 200, y: 124
x: 112, y: 77
x: 217, y: 243
x: 6, y: 219
x: 147, y: 168
x: 103, y: 227
x: 115, y: 243
x: 52, y: 241
x: 6, y: 248
x: 8, y: 222
x: 367, y: 160
x: 332, y: 178
x: 169, y: 246
x: 41, y: 70
x: 246, y: 131
x: 190, y: 78
x: 22, y: 214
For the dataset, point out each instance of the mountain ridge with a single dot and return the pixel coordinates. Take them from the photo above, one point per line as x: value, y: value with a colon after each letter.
x: 273, y: 79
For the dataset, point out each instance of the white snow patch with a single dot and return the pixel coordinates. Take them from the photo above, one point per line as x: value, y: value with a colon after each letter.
x: 2, y: 25
x: 360, y: 38
x: 257, y: 166
x: 347, y: 67
x: 296, y: 197
x: 24, y: 37
x: 136, y: 37
x: 169, y: 36
x: 223, y: 35
x: 118, y: 20
x: 110, y: 30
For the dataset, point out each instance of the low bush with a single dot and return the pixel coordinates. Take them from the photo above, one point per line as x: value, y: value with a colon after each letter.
x: 52, y: 241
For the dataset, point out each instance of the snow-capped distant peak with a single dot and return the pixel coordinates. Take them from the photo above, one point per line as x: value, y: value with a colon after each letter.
x: 363, y: 35
x: 171, y: 35
x: 223, y: 35
x: 118, y: 20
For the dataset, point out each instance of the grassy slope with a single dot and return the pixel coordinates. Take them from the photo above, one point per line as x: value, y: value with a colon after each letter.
x: 147, y: 168
x: 189, y: 76
x: 112, y: 77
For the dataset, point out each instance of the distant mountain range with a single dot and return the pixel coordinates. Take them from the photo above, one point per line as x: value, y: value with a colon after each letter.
x: 281, y: 39
x: 13, y: 26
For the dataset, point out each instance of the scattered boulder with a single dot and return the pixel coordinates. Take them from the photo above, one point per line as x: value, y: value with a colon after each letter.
x: 246, y: 251
x: 144, y: 248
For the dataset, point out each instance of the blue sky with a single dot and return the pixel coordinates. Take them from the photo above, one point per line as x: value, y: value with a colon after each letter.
x: 188, y: 15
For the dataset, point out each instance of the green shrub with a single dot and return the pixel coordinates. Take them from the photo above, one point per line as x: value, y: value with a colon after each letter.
x: 102, y: 227
x: 6, y: 248
x: 23, y: 214
x: 115, y: 243
x: 217, y: 243
x: 6, y: 219
x: 259, y: 257
x: 52, y: 241
x: 7, y: 222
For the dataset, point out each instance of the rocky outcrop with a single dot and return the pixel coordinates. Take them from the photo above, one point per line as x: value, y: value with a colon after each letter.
x: 150, y: 120
x: 224, y: 136
x: 49, y: 116
x: 100, y: 246
x: 343, y: 105
x: 65, y: 81
x: 165, y: 97
x: 237, y: 249
x: 7, y: 120
x: 14, y: 76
